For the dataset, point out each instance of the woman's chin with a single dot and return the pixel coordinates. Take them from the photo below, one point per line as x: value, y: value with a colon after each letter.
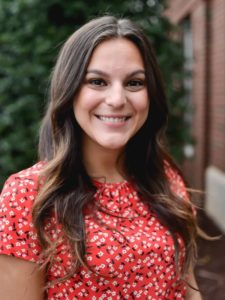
x: 111, y: 145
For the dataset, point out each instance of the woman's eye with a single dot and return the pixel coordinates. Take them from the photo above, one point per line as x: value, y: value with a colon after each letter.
x: 135, y: 83
x: 97, y: 82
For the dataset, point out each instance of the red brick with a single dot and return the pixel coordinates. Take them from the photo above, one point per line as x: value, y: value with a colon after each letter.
x: 209, y: 119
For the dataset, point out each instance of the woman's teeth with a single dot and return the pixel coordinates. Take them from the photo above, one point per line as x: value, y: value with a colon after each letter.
x: 113, y: 119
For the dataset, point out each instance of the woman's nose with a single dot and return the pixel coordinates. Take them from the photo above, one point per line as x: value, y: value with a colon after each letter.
x: 116, y: 96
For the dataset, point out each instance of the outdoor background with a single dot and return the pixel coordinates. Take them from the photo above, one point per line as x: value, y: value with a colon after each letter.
x: 188, y: 39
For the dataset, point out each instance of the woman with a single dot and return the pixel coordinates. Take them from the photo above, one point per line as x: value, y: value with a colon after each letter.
x: 105, y: 213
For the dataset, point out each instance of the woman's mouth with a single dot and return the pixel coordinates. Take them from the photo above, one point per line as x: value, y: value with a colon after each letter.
x: 112, y: 119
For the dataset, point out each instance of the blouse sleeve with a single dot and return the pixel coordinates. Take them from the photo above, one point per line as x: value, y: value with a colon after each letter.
x: 18, y: 236
x: 178, y: 187
x: 177, y: 184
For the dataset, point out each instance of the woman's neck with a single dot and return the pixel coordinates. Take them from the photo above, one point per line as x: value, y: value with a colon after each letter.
x: 104, y: 164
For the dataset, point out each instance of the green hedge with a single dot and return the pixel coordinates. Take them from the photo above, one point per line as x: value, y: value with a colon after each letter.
x: 31, y: 34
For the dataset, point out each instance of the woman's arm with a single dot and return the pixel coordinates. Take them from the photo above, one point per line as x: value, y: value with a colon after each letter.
x: 191, y: 293
x: 20, y: 279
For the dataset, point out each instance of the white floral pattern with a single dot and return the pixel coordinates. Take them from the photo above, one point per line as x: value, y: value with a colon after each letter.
x: 131, y: 254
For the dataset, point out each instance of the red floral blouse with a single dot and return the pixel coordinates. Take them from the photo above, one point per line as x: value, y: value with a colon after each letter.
x: 130, y: 252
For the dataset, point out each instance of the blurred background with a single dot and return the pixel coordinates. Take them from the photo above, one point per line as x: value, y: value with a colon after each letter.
x: 201, y: 29
x: 189, y: 39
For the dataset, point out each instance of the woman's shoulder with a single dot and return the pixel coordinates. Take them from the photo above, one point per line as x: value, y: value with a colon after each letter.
x: 31, y: 172
x: 176, y: 180
x: 22, y: 183
x: 28, y: 177
x: 17, y: 233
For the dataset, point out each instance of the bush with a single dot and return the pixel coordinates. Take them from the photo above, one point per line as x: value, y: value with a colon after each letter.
x: 31, y: 34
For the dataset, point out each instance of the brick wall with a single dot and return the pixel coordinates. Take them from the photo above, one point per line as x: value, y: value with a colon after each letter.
x: 195, y: 10
x: 207, y: 169
x: 217, y: 84
x: 198, y: 20
x: 178, y: 9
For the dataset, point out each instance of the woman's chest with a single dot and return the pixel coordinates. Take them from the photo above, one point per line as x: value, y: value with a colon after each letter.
x: 138, y: 243
x: 128, y: 252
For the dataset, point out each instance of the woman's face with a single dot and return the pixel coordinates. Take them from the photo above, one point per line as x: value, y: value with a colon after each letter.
x: 112, y: 103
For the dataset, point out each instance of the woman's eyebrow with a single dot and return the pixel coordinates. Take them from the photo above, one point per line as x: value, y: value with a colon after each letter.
x: 102, y: 73
x: 98, y: 72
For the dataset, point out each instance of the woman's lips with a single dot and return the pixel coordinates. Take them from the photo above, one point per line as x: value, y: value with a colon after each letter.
x: 113, y: 119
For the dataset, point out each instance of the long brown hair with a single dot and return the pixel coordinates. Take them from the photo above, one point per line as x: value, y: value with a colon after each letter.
x: 67, y: 187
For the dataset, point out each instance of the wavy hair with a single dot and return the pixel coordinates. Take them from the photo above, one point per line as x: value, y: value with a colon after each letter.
x: 67, y: 187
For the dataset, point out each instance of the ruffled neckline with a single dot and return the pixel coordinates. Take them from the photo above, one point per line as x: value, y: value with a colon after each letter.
x: 110, y: 185
x: 119, y: 199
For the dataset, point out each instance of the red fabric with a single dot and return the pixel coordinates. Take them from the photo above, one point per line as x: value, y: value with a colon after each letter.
x: 129, y: 249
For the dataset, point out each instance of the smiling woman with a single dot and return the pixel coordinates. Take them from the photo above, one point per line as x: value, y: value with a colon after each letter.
x: 112, y: 104
x: 105, y: 213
